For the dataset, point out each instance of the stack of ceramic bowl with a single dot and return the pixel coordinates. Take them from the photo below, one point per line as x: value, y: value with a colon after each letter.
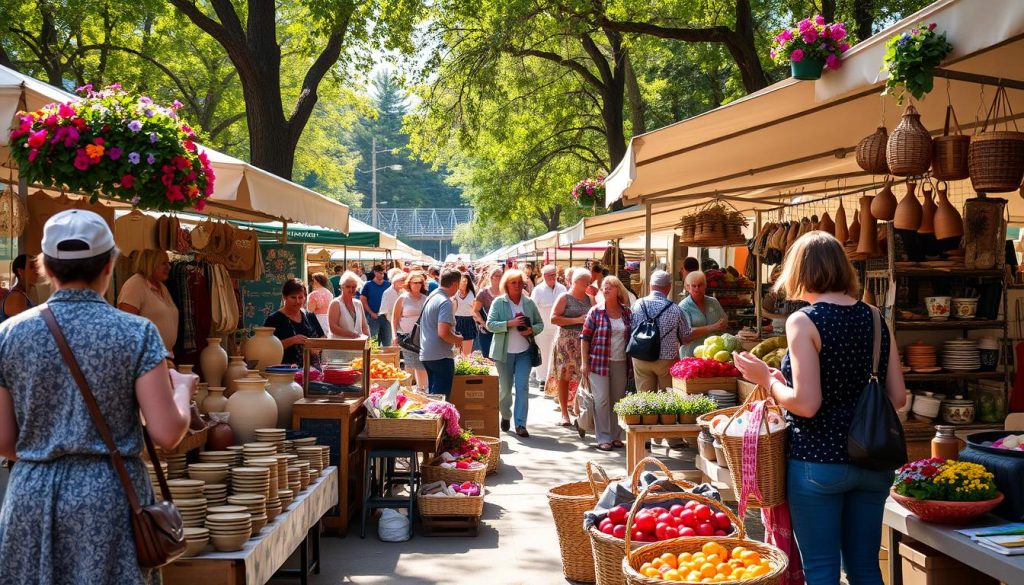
x: 227, y: 457
x: 283, y: 460
x: 229, y: 531
x: 258, y: 450
x: 193, y: 511
x: 186, y: 489
x: 250, y: 480
x: 294, y: 479
x: 209, y: 472
x: 926, y: 406
x: 196, y: 539
x: 325, y: 456
x: 216, y: 494
x: 152, y: 475
x: 310, y: 455
x: 304, y: 477
x: 239, y: 452
x: 961, y: 355
x: 273, y: 436
x: 176, y: 464
x: 302, y: 442
x: 723, y: 398
x: 287, y: 497
x: 271, y: 464
x: 256, y: 505
x: 921, y: 357
x: 289, y: 446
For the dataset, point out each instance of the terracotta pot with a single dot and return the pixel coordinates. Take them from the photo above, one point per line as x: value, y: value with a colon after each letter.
x: 883, y: 207
x: 236, y: 370
x: 868, y: 242
x: 251, y: 408
x: 927, y: 211
x: 214, y: 401
x: 908, y: 212
x: 854, y: 232
x: 909, y: 150
x: 213, y: 361
x: 668, y: 419
x: 219, y: 437
x: 942, y: 512
x: 285, y: 392
x: 842, y: 231
x: 948, y: 223
x: 264, y: 348
x: 631, y: 419
x: 688, y: 419
x: 827, y: 225
x: 649, y: 419
x: 793, y: 234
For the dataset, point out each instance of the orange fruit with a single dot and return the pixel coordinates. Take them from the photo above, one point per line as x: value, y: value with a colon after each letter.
x: 759, y: 570
x: 707, y: 570
x: 685, y: 557
x: 650, y: 572
x: 723, y: 568
x: 709, y: 547
x: 671, y: 575
x: 736, y: 552
x: 669, y: 559
x: 693, y: 576
x: 713, y: 558
x: 657, y: 563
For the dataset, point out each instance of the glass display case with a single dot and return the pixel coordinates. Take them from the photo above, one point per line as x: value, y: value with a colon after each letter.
x: 344, y: 369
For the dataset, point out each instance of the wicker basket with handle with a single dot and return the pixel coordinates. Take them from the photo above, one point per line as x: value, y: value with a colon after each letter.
x: 433, y: 471
x: 568, y: 503
x: 403, y: 428
x: 770, y: 468
x: 949, y: 151
x: 451, y: 505
x: 996, y: 157
x: 635, y: 557
x: 494, y: 457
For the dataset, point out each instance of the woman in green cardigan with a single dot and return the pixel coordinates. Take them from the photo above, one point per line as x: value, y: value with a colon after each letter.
x: 513, y: 319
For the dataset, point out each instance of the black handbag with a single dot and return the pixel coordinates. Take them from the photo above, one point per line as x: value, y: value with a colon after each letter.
x: 535, y: 357
x: 876, y: 438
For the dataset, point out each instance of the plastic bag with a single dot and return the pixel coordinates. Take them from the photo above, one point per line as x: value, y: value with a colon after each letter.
x: 393, y: 526
x: 585, y: 404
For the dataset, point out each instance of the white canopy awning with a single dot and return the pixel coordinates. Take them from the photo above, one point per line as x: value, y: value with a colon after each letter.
x: 241, y: 190
x: 799, y: 137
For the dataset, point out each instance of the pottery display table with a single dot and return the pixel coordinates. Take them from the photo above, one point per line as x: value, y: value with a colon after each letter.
x: 638, y: 435
x: 263, y: 556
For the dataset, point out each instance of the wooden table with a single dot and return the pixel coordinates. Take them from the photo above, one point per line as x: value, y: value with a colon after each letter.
x: 265, y: 554
x: 899, y: 522
x: 418, y: 445
x: 638, y: 435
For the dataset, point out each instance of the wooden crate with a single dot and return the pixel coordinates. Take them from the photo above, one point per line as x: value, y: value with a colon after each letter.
x: 388, y: 357
x: 450, y: 525
x: 702, y: 385
x: 476, y: 398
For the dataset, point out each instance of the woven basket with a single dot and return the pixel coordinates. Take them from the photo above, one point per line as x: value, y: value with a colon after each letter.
x: 568, y: 503
x: 689, y: 227
x: 949, y: 151
x: 403, y: 428
x: 432, y: 471
x: 494, y: 457
x: 909, y: 150
x: 635, y: 556
x: 770, y: 468
x: 451, y: 505
x: 871, y: 152
x: 996, y: 157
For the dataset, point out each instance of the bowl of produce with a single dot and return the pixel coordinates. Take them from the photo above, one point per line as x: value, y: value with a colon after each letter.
x: 1006, y: 443
x: 342, y: 376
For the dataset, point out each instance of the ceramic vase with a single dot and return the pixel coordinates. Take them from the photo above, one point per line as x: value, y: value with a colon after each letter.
x: 827, y: 225
x: 908, y: 212
x: 213, y: 361
x: 236, y: 370
x: 854, y: 233
x: 842, y: 230
x: 883, y: 207
x: 927, y: 211
x: 264, y: 348
x: 251, y: 408
x: 214, y: 401
x: 285, y: 392
x: 868, y: 242
x: 202, y: 391
x: 948, y: 223
x: 185, y: 369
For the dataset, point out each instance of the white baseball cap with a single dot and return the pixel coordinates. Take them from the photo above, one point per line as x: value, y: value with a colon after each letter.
x: 76, y: 224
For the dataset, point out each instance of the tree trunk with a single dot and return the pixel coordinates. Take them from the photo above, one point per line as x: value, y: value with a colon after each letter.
x: 271, y: 146
x: 828, y: 10
x: 744, y: 50
x: 637, y: 108
x: 864, y: 17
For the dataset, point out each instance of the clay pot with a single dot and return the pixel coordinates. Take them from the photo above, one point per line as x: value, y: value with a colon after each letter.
x: 842, y: 231
x: 927, y: 211
x: 909, y: 150
x: 285, y: 392
x: 219, y: 436
x: 214, y: 401
x: 202, y: 391
x: 264, y: 348
x: 948, y: 223
x: 854, y: 232
x: 185, y: 369
x: 236, y: 370
x: 883, y: 207
x: 868, y: 242
x: 213, y: 361
x: 827, y: 225
x: 793, y: 234
x: 251, y: 408
x: 908, y: 212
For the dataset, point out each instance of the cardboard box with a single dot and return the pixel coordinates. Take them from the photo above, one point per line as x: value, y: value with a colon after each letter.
x: 479, y: 418
x: 926, y: 566
x: 474, y: 390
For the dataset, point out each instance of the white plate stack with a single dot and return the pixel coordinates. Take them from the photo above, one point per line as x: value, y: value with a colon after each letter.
x: 961, y: 355
x: 724, y: 398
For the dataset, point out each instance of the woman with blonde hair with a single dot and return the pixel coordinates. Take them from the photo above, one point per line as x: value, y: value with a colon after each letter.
x: 836, y: 506
x: 605, y: 365
x: 569, y: 314
x: 406, y: 312
x: 345, y: 315
x: 146, y: 295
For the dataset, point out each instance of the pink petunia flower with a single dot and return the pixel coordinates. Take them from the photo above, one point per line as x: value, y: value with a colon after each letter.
x: 804, y: 25
x: 833, y: 62
x: 797, y: 55
x: 38, y: 138
x: 819, y: 19
x: 810, y: 35
x: 127, y: 181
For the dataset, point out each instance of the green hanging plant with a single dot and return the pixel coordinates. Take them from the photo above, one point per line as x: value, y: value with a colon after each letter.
x: 911, y: 59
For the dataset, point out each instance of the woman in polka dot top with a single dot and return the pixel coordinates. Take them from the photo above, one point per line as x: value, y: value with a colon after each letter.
x: 836, y: 507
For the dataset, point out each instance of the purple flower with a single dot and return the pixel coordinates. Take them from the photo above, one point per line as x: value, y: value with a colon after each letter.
x: 148, y: 112
x: 134, y: 158
x: 145, y: 100
x: 114, y: 153
x: 135, y: 125
x: 135, y: 200
x: 84, y: 88
x: 153, y: 137
x: 819, y: 19
x: 175, y: 104
x: 150, y: 158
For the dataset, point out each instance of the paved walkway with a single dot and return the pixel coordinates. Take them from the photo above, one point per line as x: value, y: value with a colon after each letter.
x: 516, y: 545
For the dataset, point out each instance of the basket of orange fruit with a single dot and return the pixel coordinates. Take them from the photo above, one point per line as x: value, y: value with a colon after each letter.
x: 382, y: 372
x: 695, y: 560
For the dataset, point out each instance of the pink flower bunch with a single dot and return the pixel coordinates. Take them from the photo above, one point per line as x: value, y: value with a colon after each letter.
x: 812, y: 38
x: 692, y: 367
x: 591, y: 186
x: 449, y: 414
x: 466, y: 447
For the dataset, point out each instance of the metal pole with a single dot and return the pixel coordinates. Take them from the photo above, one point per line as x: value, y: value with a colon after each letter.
x: 570, y: 254
x: 758, y: 284
x: 373, y: 182
x: 647, y: 244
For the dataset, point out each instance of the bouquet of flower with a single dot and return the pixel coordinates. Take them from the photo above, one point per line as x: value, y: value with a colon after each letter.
x: 465, y: 447
x: 911, y: 59
x: 117, y: 144
x: 812, y: 38
x: 475, y: 364
x: 688, y: 368
x: 449, y: 414
x: 589, y: 190
x: 945, y: 480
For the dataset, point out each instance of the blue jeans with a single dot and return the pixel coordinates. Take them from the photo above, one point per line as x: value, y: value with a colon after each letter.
x: 440, y: 375
x: 514, y: 370
x: 485, y: 337
x: 836, y: 510
x: 379, y: 328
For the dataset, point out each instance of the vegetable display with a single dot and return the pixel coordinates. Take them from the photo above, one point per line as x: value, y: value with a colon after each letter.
x: 718, y: 347
x: 473, y: 365
x: 657, y: 523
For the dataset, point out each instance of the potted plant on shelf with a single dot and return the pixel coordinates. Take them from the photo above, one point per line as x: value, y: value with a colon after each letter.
x: 690, y: 407
x: 589, y: 192
x: 639, y: 408
x: 668, y: 403
x: 911, y: 59
x: 945, y: 491
x: 810, y: 46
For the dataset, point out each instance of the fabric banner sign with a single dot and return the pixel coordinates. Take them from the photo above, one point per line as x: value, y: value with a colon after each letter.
x: 262, y: 297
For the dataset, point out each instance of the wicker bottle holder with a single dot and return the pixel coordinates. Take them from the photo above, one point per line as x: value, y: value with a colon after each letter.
x: 770, y: 470
x: 717, y: 223
x: 909, y: 150
x: 871, y: 152
x: 608, y: 550
x: 432, y: 471
x: 949, y: 151
x: 635, y: 557
x: 996, y: 157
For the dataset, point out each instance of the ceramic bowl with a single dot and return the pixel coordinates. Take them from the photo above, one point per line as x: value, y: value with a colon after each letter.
x: 964, y: 308
x: 926, y: 407
x: 958, y: 412
x: 229, y: 543
x: 938, y: 307
x: 194, y: 547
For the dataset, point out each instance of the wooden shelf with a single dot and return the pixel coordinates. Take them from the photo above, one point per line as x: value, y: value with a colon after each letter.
x: 925, y: 272
x: 941, y: 376
x: 949, y: 325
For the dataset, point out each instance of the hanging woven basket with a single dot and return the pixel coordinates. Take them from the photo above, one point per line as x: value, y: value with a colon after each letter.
x: 909, y: 150
x: 13, y: 214
x: 995, y: 157
x: 949, y: 151
x: 871, y: 152
x: 716, y: 224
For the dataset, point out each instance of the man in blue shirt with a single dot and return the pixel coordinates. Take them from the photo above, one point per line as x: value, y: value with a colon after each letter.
x: 438, y: 335
x: 371, y: 295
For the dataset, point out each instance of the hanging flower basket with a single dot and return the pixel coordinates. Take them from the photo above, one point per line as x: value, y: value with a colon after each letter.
x: 117, y: 144
x: 589, y: 191
x: 911, y: 59
x: 810, y: 47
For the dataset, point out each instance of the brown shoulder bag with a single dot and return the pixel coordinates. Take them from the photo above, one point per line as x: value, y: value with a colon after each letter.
x: 159, y: 535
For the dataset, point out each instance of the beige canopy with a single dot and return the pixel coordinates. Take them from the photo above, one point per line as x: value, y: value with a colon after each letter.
x: 798, y: 138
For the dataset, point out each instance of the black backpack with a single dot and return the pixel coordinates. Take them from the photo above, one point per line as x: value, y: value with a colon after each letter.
x: 645, y: 339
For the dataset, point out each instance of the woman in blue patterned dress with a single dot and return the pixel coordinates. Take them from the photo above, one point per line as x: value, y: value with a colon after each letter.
x: 65, y: 518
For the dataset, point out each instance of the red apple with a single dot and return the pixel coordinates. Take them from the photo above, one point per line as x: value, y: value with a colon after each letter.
x: 605, y: 522
x: 705, y: 529
x: 690, y: 504
x: 657, y: 511
x: 660, y: 530
x: 722, y: 521
x: 619, y: 531
x: 720, y: 533
x: 618, y: 514
x: 671, y: 533
x: 688, y: 518
x: 646, y: 522
x: 687, y: 531
x: 666, y: 518
x: 703, y: 513
x: 676, y: 510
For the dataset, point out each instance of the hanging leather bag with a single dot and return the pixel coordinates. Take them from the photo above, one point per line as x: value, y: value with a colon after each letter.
x: 159, y: 534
